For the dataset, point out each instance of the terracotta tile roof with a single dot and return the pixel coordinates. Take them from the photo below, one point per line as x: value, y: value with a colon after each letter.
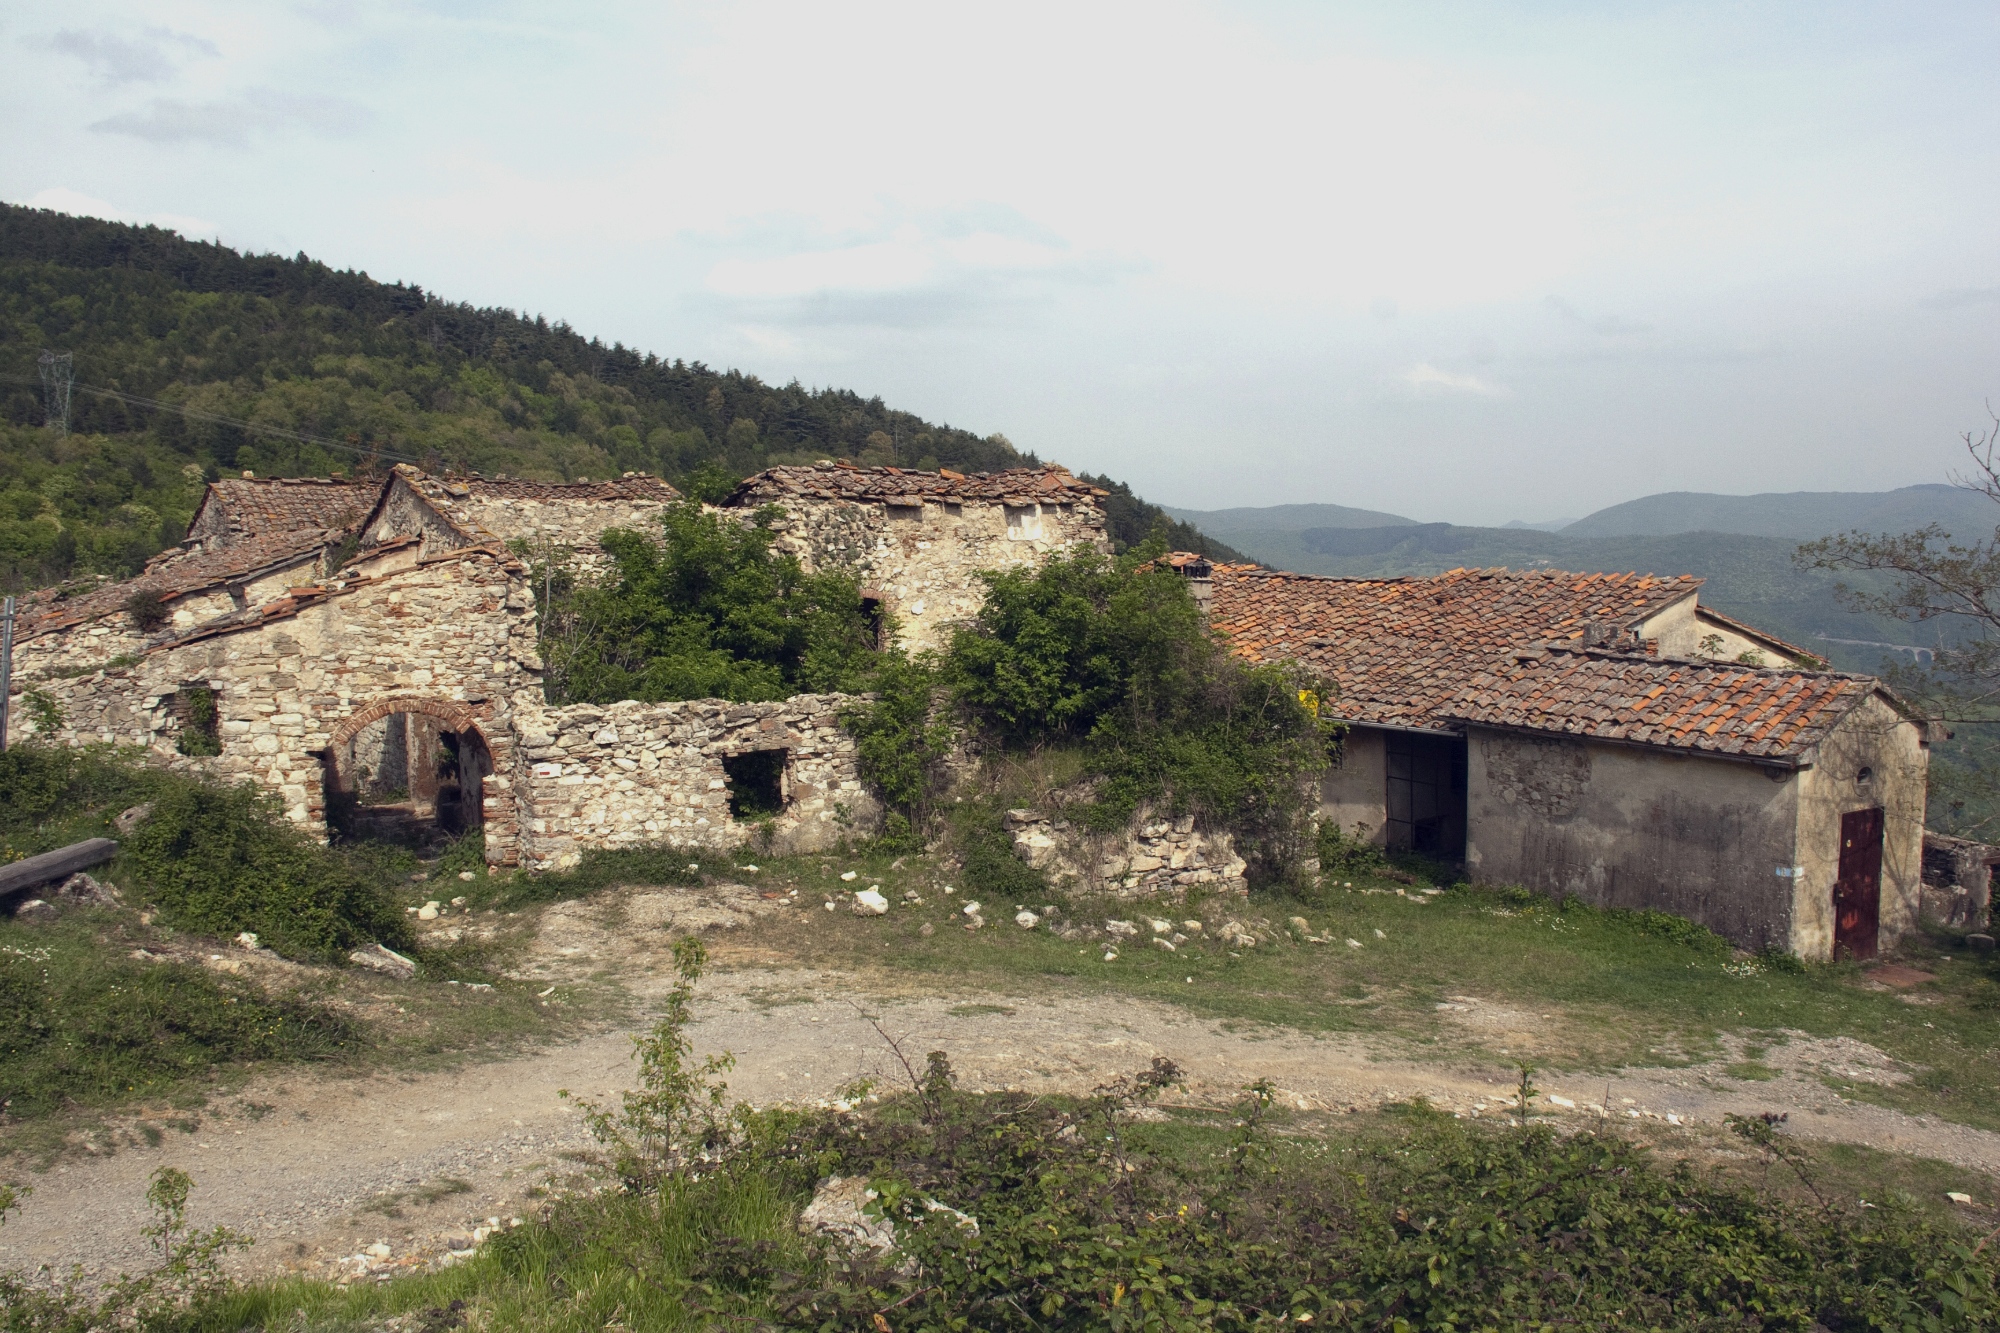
x: 1714, y: 707
x: 253, y: 506
x: 175, y: 574
x: 1399, y: 650
x: 890, y: 485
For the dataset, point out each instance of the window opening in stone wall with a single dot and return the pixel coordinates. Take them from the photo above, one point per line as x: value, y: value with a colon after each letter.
x: 1024, y: 522
x: 874, y: 617
x: 756, y: 783
x: 408, y: 779
x: 199, y: 721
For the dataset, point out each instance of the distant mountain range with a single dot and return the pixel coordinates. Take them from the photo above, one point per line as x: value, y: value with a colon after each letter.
x: 1741, y: 544
x: 1800, y: 515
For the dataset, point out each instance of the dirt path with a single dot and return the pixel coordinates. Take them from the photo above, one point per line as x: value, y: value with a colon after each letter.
x: 337, y: 1164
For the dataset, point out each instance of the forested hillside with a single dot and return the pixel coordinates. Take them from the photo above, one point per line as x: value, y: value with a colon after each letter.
x: 372, y: 373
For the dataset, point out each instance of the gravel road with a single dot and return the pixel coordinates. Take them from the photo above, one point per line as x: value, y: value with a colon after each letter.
x: 317, y: 1167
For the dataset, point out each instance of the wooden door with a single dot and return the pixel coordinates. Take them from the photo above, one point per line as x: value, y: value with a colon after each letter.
x: 1857, y: 894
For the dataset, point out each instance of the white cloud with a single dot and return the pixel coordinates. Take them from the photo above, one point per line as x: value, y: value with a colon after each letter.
x: 1425, y: 376
x: 153, y: 57
x: 77, y: 204
x: 231, y: 122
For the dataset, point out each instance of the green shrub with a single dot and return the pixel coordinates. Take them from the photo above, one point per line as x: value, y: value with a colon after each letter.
x: 223, y: 859
x: 81, y: 1027
x: 989, y: 866
x: 1342, y: 853
x: 902, y: 736
x: 1112, y: 657
x: 705, y: 608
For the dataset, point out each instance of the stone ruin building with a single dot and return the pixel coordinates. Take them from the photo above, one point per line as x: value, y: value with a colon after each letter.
x: 368, y: 652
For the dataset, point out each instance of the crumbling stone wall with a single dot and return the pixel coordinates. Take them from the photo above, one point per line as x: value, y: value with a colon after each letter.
x: 1958, y: 880
x: 453, y: 638
x: 923, y: 559
x: 629, y: 774
x: 1152, y: 857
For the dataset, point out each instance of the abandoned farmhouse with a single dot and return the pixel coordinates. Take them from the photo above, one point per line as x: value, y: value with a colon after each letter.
x: 357, y: 647
x: 348, y: 645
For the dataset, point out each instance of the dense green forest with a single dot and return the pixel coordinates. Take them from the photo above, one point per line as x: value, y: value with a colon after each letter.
x: 373, y: 373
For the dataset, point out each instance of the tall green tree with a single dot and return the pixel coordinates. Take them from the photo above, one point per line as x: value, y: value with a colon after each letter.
x: 1935, y: 579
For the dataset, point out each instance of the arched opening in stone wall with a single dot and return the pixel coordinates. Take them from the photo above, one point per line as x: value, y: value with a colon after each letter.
x: 407, y: 774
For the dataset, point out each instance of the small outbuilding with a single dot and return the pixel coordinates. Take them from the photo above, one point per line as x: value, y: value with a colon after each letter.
x: 1606, y: 736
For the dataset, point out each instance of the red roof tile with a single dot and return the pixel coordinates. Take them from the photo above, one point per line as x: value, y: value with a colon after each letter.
x: 252, y: 506
x: 889, y: 485
x: 1714, y: 707
x: 172, y: 575
x: 1399, y: 649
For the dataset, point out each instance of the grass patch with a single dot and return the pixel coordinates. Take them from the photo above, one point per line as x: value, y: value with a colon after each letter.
x: 83, y: 1026
x: 1752, y: 1070
x: 1587, y: 990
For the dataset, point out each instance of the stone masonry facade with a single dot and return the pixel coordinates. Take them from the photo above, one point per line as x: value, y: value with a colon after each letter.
x: 1153, y: 857
x: 631, y: 774
x: 300, y: 614
x: 918, y: 541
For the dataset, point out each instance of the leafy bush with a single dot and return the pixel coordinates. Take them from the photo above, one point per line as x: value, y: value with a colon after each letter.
x: 1114, y: 657
x: 704, y: 609
x: 902, y: 736
x: 224, y: 859
x: 988, y: 864
x: 1342, y: 853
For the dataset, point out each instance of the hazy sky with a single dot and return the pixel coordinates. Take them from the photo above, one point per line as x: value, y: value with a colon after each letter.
x: 1469, y: 261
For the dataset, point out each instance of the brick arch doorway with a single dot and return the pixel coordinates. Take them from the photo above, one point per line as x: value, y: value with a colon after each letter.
x: 407, y: 770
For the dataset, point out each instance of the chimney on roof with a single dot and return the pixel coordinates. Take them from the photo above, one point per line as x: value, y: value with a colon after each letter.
x: 248, y: 475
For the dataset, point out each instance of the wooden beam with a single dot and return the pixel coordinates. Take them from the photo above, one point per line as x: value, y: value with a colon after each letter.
x: 59, y: 864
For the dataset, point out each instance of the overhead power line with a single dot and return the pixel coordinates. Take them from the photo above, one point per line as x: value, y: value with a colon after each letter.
x: 140, y: 400
x: 58, y: 376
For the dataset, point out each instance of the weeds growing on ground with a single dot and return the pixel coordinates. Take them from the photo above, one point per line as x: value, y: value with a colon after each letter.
x: 1012, y: 1212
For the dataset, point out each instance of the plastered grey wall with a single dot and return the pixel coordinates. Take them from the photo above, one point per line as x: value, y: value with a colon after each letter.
x: 1645, y: 829
x: 1875, y: 737
x: 1354, y: 791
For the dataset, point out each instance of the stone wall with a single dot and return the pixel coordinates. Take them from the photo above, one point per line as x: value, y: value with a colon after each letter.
x: 923, y: 559
x: 631, y: 774
x: 1157, y: 858
x: 1958, y: 880
x: 453, y: 639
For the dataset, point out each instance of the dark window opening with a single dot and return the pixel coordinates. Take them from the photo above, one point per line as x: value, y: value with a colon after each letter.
x: 756, y: 783
x: 199, y: 720
x: 1426, y: 795
x: 873, y: 617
